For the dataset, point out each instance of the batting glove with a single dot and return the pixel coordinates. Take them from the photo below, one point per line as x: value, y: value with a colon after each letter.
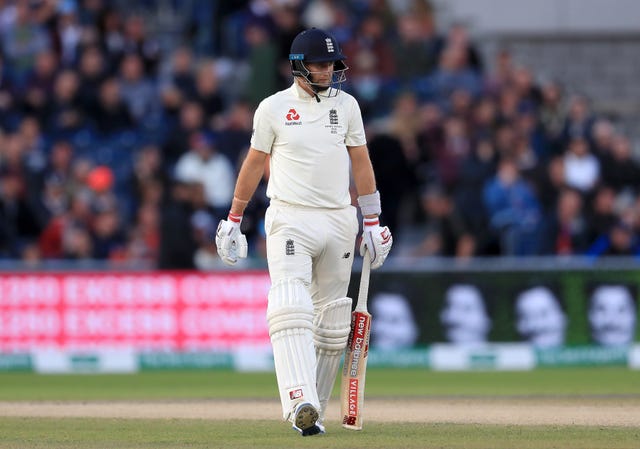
x: 377, y: 240
x: 231, y: 243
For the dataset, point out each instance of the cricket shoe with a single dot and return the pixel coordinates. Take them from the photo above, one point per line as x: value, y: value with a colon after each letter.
x: 305, y: 420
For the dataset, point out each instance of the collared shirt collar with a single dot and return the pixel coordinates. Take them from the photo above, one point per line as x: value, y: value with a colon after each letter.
x: 300, y: 92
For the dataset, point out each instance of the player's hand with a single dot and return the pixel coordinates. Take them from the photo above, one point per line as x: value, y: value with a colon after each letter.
x: 231, y: 243
x: 377, y: 240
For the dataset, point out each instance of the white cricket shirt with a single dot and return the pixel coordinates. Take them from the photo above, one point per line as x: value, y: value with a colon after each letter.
x: 308, y: 143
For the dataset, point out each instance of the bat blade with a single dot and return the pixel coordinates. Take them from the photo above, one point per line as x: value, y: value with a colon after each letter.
x: 355, y: 361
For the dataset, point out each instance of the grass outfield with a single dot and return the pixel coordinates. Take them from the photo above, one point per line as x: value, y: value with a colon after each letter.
x: 160, y: 434
x: 380, y: 383
x: 87, y: 433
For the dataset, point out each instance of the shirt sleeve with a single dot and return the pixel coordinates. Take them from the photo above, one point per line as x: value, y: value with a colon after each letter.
x: 263, y: 135
x: 355, y: 134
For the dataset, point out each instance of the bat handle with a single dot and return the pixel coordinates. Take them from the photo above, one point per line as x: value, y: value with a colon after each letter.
x: 363, y: 292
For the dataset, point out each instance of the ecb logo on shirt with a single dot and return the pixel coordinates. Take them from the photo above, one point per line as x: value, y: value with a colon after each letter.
x: 333, y: 121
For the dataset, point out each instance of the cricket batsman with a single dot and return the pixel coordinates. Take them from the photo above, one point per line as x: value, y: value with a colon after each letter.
x: 314, y: 135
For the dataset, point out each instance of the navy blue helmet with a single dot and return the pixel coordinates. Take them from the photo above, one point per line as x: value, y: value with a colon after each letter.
x: 316, y: 45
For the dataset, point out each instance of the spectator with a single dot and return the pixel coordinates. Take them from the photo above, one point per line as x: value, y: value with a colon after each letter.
x: 202, y: 164
x: 415, y: 49
x: 67, y: 234
x: 454, y: 149
x: 602, y: 138
x: 394, y: 177
x: 263, y: 54
x: 92, y: 71
x: 136, y: 90
x: 38, y: 85
x: 135, y: 40
x: 177, y: 242
x: 18, y: 221
x: 207, y: 92
x: 22, y: 40
x: 143, y: 242
x: 501, y: 73
x: 483, y: 120
x: 182, y: 68
x: 620, y: 240
x: 191, y: 121
x: 64, y: 111
x: 111, y: 113
x: 525, y: 88
x: 370, y: 43
x: 68, y: 33
x: 107, y: 236
x: 111, y: 36
x: 581, y: 168
x: 475, y: 170
x: 234, y: 131
x: 60, y: 159
x: 458, y: 36
x: 371, y: 67
x: 620, y: 170
x: 286, y: 18
x: 601, y: 215
x: 566, y: 231
x: 8, y: 98
x: 552, y: 115
x: 444, y: 230
x: 453, y: 73
x: 579, y: 120
x: 513, y: 210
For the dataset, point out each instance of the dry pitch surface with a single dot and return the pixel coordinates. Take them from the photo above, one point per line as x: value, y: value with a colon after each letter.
x: 582, y: 411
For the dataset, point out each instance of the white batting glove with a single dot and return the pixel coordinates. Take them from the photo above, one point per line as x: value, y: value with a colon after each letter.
x: 231, y: 243
x: 377, y: 240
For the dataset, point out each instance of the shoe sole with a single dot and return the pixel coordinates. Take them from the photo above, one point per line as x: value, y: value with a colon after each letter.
x: 306, y: 418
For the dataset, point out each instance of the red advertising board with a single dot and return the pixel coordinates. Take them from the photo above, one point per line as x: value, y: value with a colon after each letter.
x: 146, y: 311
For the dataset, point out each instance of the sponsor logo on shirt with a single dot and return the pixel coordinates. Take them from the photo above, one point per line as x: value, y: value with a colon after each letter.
x: 293, y: 118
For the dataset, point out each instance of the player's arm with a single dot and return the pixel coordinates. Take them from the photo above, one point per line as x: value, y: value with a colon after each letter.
x: 363, y: 175
x: 230, y: 242
x: 375, y: 238
x: 251, y: 173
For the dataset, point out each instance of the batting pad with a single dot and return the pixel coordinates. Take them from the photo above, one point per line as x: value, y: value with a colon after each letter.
x: 331, y: 328
x: 290, y: 317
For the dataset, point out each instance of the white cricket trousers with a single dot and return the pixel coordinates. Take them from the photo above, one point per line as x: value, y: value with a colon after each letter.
x: 310, y: 253
x: 314, y: 245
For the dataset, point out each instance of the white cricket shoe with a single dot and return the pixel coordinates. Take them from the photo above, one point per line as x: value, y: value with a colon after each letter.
x: 305, y: 420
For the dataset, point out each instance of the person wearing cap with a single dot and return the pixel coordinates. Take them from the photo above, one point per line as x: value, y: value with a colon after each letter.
x: 312, y: 135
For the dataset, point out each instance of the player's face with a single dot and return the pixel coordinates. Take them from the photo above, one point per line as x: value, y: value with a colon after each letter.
x: 320, y: 72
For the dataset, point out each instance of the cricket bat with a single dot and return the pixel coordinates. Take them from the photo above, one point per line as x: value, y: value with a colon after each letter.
x: 355, y: 360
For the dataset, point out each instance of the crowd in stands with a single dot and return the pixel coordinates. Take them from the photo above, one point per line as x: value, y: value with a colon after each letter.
x: 120, y: 138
